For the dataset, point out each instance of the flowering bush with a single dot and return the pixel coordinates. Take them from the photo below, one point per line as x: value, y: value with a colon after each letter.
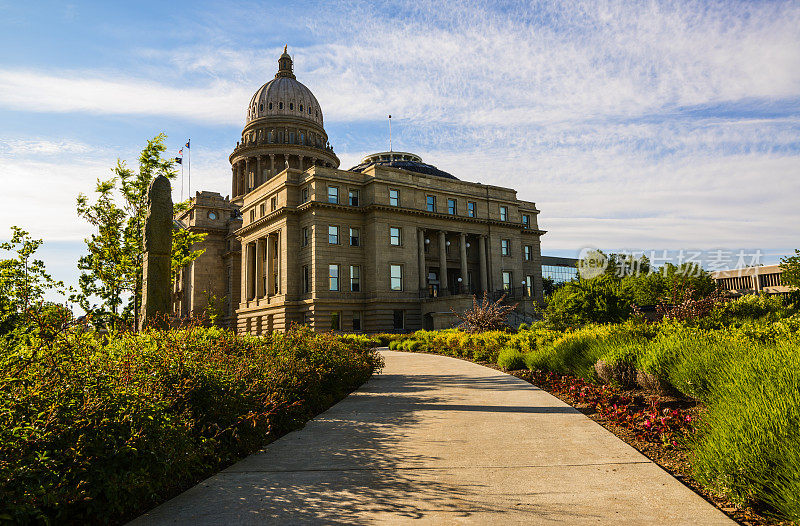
x: 94, y: 431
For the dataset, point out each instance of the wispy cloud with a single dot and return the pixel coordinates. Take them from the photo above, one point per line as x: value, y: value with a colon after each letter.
x: 668, y: 123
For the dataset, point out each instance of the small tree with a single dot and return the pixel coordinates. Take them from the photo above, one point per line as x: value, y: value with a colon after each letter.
x: 23, y: 278
x: 112, y: 269
x: 485, y: 315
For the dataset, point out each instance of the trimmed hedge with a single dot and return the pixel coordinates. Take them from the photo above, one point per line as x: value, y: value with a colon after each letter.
x: 94, y: 432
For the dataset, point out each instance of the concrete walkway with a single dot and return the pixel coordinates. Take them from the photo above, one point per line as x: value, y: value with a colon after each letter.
x: 436, y: 440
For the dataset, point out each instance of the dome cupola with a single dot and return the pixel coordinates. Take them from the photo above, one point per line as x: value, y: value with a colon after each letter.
x: 284, y: 96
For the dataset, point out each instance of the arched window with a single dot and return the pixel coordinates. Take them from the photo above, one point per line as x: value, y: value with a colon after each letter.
x: 301, y: 107
x: 261, y: 107
x: 280, y: 105
x: 270, y: 105
x: 291, y: 106
x: 309, y: 110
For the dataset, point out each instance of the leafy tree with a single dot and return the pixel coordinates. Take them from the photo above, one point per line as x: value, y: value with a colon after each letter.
x: 791, y: 270
x: 112, y: 268
x: 23, y: 278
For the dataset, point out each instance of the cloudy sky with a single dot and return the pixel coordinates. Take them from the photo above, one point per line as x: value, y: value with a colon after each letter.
x: 632, y: 125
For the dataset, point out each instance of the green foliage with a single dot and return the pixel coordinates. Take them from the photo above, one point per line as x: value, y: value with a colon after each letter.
x: 111, y: 271
x: 523, y: 327
x: 511, y: 359
x: 790, y: 267
x: 582, y: 301
x: 23, y: 280
x: 96, y: 432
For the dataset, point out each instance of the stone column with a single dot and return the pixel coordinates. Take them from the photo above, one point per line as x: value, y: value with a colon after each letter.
x: 260, y: 268
x: 251, y: 264
x: 271, y: 164
x: 300, y: 160
x: 248, y: 173
x: 233, y: 181
x: 270, y: 270
x: 423, y: 278
x: 278, y: 262
x: 463, y: 249
x: 484, y: 270
x: 244, y: 273
x: 442, y: 260
x: 259, y: 175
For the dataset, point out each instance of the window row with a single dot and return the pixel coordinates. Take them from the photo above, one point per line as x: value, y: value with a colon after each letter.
x: 335, y: 278
x: 398, y: 320
x: 430, y: 203
x: 280, y: 105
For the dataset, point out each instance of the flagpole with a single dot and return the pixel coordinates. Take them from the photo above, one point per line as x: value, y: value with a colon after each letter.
x: 189, y: 169
x: 390, y: 133
x: 182, y: 180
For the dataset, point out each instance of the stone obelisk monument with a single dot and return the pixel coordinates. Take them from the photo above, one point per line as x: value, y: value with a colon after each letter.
x: 157, y: 260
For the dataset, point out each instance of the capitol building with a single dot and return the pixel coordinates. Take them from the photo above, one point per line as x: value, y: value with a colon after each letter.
x: 392, y: 244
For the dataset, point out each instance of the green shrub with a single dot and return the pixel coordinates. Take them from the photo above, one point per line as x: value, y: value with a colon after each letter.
x: 511, y: 359
x: 523, y: 327
x: 96, y: 432
x: 748, y: 446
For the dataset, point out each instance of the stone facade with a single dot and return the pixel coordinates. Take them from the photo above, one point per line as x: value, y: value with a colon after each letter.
x: 392, y: 244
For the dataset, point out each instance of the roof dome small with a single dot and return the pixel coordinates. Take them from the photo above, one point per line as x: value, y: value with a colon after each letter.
x: 403, y: 160
x: 284, y: 96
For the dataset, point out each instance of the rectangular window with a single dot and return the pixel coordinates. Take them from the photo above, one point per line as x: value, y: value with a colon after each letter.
x: 396, y: 274
x: 395, y: 236
x: 333, y: 235
x: 252, y: 215
x: 528, y: 252
x: 529, y: 286
x: 336, y: 320
x: 503, y: 213
x: 399, y: 319
x: 304, y: 195
x: 356, y: 321
x: 306, y: 280
x: 507, y: 280
x: 452, y: 207
x: 505, y: 247
x: 355, y: 237
x: 273, y: 204
x: 353, y: 197
x: 333, y: 277
x: 355, y: 278
x: 305, y: 237
x: 394, y: 197
x: 333, y: 194
x: 471, y: 209
x: 431, y: 201
x: 526, y: 221
x: 262, y: 209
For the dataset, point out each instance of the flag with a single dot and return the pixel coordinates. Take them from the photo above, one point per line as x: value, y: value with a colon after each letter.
x: 187, y: 143
x: 178, y: 160
x: 180, y: 152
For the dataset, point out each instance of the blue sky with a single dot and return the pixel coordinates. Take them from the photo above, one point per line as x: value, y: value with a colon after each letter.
x: 632, y: 125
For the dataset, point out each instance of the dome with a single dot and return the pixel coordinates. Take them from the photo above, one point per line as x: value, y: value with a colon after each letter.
x: 402, y: 160
x: 284, y: 96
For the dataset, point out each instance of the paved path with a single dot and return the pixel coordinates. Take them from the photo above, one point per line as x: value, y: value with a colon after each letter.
x: 440, y: 440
